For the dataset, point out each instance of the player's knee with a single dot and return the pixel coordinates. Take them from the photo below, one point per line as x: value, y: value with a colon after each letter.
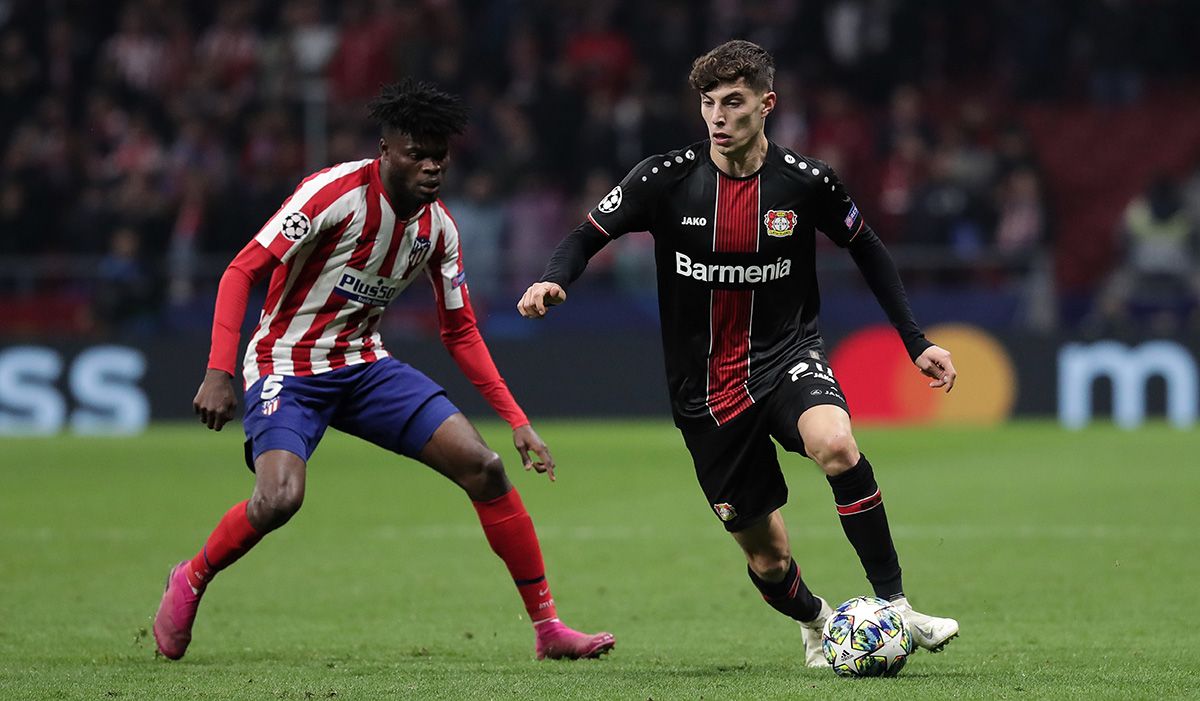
x: 270, y: 509
x: 835, y: 452
x: 486, y: 480
x: 770, y: 566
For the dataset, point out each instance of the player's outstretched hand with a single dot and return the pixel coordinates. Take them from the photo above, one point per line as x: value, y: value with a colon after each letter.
x: 539, y: 297
x: 935, y: 363
x: 526, y: 440
x: 215, y: 400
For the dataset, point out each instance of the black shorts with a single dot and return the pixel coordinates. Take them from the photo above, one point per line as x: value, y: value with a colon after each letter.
x: 736, y: 463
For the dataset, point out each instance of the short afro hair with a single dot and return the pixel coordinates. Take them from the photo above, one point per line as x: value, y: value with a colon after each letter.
x: 420, y: 110
x: 732, y: 60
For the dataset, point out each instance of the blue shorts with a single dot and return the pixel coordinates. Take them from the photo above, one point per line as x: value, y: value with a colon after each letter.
x: 386, y: 402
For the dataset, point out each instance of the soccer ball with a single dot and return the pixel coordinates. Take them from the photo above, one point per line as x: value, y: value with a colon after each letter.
x: 867, y: 637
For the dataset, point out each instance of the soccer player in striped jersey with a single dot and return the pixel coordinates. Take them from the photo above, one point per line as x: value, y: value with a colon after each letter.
x: 345, y: 244
x: 733, y: 220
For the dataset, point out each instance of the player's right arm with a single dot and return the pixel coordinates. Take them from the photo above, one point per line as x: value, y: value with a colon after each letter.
x: 216, y: 401
x: 315, y: 206
x: 627, y: 207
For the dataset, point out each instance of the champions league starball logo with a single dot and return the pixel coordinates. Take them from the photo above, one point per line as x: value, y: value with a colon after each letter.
x: 295, y: 226
x: 611, y: 201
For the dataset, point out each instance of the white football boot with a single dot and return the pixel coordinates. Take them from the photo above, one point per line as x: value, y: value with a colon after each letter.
x: 814, y: 637
x: 929, y: 632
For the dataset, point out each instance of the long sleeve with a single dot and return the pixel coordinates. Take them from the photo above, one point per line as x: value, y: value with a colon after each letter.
x: 838, y: 217
x: 249, y: 267
x: 460, y: 335
x: 880, y: 272
x: 572, y: 254
x: 459, y: 329
x: 629, y: 206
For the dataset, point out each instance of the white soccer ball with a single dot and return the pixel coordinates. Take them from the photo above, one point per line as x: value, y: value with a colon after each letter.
x: 867, y: 637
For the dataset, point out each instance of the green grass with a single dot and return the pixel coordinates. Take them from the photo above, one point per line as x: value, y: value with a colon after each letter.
x: 1070, y: 560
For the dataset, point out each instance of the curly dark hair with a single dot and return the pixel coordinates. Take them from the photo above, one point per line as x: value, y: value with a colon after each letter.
x: 420, y: 110
x: 732, y: 60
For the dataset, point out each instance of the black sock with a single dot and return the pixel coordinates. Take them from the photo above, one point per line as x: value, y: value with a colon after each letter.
x: 788, y: 596
x: 860, y: 508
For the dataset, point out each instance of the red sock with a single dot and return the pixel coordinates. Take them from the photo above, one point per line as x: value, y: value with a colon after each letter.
x: 509, y: 531
x: 231, y: 539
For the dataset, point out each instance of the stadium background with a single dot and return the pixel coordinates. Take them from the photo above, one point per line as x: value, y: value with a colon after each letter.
x: 1033, y: 166
x: 1012, y: 155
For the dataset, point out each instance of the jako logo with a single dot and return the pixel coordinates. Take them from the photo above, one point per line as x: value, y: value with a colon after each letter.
x: 782, y: 267
x: 694, y: 221
x: 1079, y: 366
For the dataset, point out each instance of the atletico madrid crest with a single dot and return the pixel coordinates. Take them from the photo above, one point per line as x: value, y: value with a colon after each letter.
x: 780, y: 223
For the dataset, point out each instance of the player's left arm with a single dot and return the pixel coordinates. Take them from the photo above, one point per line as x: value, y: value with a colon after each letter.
x: 460, y: 334
x: 843, y: 223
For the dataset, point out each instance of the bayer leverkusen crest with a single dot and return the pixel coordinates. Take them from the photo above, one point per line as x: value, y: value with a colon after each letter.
x: 780, y: 223
x: 725, y: 512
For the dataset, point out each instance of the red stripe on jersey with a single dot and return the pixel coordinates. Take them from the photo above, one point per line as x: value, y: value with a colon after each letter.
x: 865, y: 504
x: 302, y: 351
x: 735, y: 230
x: 331, y: 192
x: 356, y: 321
x: 368, y: 349
x: 387, y: 268
x: 275, y: 290
x: 728, y: 364
x: 337, y: 356
x: 294, y: 297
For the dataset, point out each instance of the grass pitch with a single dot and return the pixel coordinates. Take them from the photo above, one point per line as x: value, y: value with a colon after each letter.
x: 1070, y: 560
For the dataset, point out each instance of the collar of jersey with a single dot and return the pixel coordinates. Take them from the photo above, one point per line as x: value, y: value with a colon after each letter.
x: 755, y: 174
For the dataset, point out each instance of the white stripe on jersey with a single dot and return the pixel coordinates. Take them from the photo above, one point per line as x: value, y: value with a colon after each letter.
x: 451, y: 268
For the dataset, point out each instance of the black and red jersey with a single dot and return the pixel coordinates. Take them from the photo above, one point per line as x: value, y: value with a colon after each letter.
x: 736, y: 262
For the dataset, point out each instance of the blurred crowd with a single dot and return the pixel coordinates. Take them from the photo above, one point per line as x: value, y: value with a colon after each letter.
x: 154, y: 137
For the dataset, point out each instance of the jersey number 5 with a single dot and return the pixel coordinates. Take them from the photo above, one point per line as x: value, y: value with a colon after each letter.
x: 272, y: 386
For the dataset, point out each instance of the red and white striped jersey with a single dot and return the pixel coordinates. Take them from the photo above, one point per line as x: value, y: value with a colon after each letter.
x: 344, y: 256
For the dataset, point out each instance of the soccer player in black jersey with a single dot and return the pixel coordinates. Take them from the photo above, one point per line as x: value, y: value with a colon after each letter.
x: 733, y: 220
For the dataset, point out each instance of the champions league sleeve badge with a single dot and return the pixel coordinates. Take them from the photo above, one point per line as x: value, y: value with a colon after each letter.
x: 295, y: 226
x: 611, y: 201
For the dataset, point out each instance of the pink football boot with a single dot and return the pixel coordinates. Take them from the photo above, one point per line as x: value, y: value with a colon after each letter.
x: 556, y: 641
x: 176, y: 612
